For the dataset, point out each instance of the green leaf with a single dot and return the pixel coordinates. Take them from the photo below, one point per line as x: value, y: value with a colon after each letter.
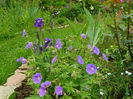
x: 12, y: 96
x: 34, y: 97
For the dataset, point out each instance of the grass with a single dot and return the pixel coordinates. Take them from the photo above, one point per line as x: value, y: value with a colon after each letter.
x: 13, y: 48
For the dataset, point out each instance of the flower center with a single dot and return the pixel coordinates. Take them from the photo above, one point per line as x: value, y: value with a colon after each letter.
x: 92, y: 68
x: 38, y: 78
x: 60, y: 91
x: 44, y: 91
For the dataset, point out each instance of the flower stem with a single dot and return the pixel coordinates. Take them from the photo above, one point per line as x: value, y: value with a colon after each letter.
x: 128, y: 31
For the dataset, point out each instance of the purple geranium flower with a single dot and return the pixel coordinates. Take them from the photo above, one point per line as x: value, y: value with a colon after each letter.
x: 35, y: 44
x: 86, y: 87
x: 59, y: 90
x: 39, y: 22
x: 58, y: 44
x: 70, y: 48
x: 89, y: 46
x: 46, y: 84
x: 47, y: 41
x: 42, y: 91
x: 29, y: 45
x: 54, y: 59
x: 104, y: 56
x: 80, y: 60
x: 41, y: 48
x: 91, y: 68
x: 22, y: 59
x: 96, y: 50
x: 58, y: 40
x: 37, y: 78
x: 83, y: 36
x: 24, y: 33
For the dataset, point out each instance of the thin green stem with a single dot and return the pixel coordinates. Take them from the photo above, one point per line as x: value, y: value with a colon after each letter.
x: 128, y: 31
x: 116, y: 35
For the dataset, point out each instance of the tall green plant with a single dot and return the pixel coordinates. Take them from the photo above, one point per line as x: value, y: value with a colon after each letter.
x: 93, y: 30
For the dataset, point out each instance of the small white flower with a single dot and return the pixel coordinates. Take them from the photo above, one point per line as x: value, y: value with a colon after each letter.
x: 126, y: 72
x: 97, y: 67
x: 91, y: 7
x: 122, y: 73
x: 101, y: 93
x: 101, y: 89
x: 109, y: 73
x: 129, y: 73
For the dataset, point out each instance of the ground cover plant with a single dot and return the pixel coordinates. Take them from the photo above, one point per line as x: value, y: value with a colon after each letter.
x: 91, y: 58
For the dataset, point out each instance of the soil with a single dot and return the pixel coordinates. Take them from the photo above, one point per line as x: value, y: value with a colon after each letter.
x: 23, y: 91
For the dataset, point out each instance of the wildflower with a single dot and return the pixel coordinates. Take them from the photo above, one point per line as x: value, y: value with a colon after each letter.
x: 101, y: 89
x: 101, y: 93
x: 58, y: 44
x: 24, y: 33
x: 80, y: 60
x: 59, y: 90
x: 104, y: 56
x: 42, y: 91
x: 46, y: 84
x: 37, y: 78
x: 119, y: 14
x: 128, y: 1
x: 109, y: 73
x: 96, y: 50
x: 47, y: 41
x: 86, y: 87
x: 29, y: 45
x: 122, y: 1
x: 129, y: 73
x: 83, y: 36
x: 54, y: 59
x: 126, y: 72
x: 67, y: 6
x: 41, y: 49
x: 122, y: 73
x: 39, y: 22
x: 91, y: 68
x: 70, y: 48
x: 22, y: 59
x: 35, y: 44
x: 91, y: 53
x: 58, y: 40
x: 89, y: 46
x: 91, y: 7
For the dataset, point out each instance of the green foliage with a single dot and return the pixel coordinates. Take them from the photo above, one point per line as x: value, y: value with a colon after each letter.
x: 93, y: 29
x: 75, y: 27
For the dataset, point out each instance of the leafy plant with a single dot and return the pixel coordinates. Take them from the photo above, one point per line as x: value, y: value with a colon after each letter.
x: 93, y: 29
